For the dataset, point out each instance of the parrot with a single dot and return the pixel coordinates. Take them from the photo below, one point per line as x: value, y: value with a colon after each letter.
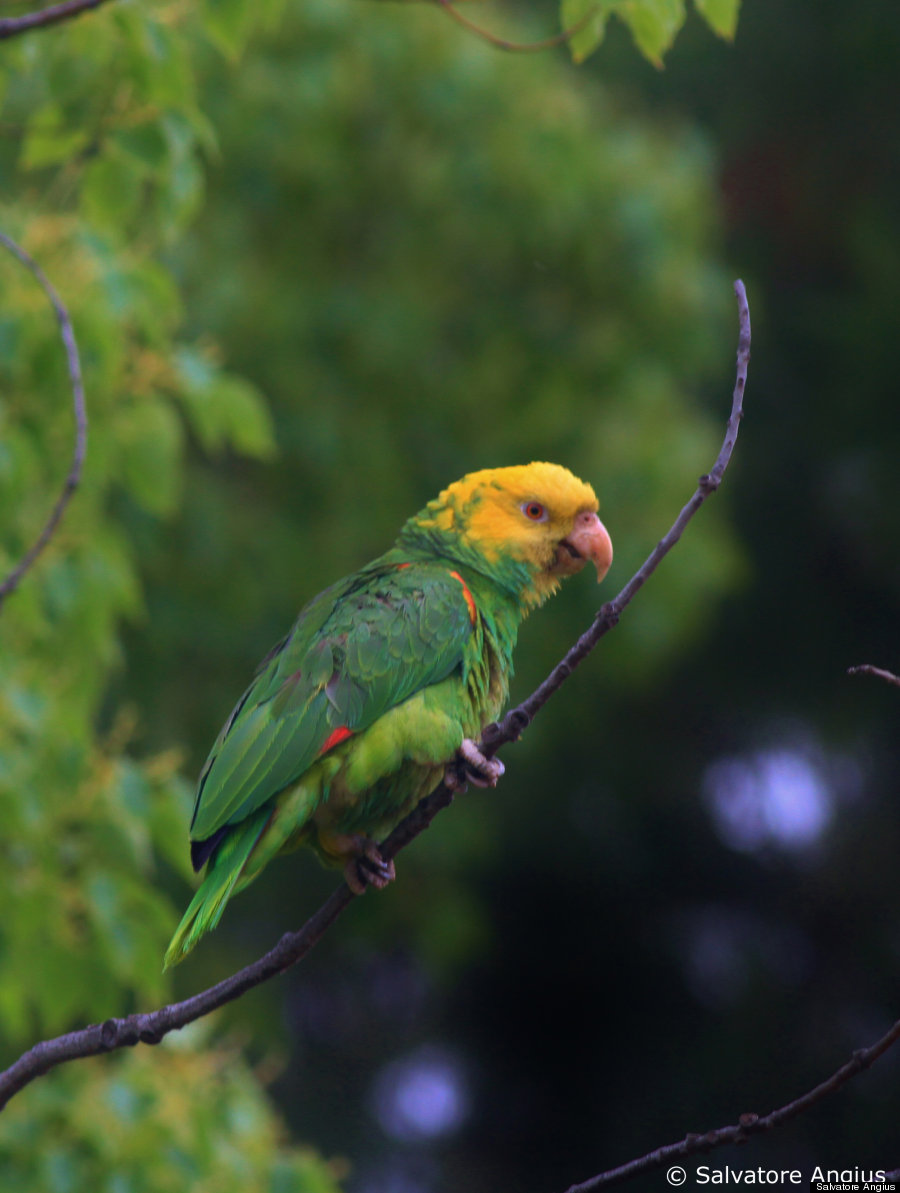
x: 384, y: 683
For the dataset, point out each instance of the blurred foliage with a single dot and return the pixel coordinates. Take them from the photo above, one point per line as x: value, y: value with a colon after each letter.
x: 430, y: 258
x: 416, y: 301
x: 182, y: 1116
x: 96, y: 180
x: 653, y: 24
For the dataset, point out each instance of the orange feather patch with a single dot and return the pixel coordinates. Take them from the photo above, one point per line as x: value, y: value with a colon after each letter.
x: 470, y: 600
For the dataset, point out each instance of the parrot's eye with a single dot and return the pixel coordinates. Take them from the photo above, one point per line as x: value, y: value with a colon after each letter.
x: 534, y: 510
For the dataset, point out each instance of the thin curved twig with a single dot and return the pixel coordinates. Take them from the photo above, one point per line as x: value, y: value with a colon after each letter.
x: 878, y: 672
x: 514, y: 47
x: 70, y: 484
x: 12, y: 26
x: 151, y: 1027
x: 747, y: 1125
x: 518, y: 719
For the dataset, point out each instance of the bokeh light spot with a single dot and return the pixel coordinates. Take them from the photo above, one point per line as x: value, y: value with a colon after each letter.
x: 422, y: 1096
x: 783, y: 797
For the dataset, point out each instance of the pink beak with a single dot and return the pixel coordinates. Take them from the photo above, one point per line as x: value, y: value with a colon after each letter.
x: 589, y: 540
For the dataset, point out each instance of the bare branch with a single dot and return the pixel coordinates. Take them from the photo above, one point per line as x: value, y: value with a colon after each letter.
x: 12, y: 26
x: 518, y: 719
x: 514, y: 47
x: 151, y: 1027
x: 868, y: 669
x: 13, y: 580
x: 748, y: 1124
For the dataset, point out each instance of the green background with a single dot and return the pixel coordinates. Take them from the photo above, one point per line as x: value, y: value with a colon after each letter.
x: 323, y: 258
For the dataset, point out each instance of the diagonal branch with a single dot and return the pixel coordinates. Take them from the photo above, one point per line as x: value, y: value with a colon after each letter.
x: 878, y: 672
x: 12, y: 26
x: 747, y: 1125
x: 151, y: 1027
x: 14, y: 578
x: 518, y: 719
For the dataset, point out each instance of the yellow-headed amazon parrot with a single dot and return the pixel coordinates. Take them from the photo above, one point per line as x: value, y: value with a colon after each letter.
x: 383, y: 683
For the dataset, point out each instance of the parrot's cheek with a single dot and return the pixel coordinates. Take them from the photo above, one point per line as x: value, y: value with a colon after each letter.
x: 589, y: 540
x: 567, y: 562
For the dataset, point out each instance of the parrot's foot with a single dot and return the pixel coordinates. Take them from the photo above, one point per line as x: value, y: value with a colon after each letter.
x: 471, y: 766
x: 366, y: 866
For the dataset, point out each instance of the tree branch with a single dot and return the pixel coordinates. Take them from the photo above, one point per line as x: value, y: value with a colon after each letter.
x: 878, y: 672
x: 14, y: 578
x: 151, y: 1027
x: 514, y: 47
x: 517, y: 719
x: 748, y: 1124
x: 12, y: 26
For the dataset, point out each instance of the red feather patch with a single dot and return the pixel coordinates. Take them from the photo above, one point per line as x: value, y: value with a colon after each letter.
x: 335, y: 737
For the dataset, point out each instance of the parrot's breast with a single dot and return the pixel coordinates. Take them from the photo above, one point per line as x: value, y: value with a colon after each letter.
x: 375, y: 778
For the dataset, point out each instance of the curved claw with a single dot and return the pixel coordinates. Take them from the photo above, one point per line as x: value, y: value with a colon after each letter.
x: 471, y: 766
x: 368, y: 867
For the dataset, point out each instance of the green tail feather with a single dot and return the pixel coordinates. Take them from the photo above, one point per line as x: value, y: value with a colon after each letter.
x: 218, y: 886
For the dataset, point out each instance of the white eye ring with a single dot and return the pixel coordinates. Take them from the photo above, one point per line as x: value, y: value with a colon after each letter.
x: 534, y: 511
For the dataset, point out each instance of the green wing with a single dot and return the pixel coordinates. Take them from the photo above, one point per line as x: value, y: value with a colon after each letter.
x: 357, y: 650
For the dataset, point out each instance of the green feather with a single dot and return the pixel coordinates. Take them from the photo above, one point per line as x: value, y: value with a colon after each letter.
x: 206, y: 907
x: 390, y: 655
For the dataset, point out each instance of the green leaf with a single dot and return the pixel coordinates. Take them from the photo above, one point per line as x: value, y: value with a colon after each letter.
x: 653, y: 24
x: 228, y: 22
x: 179, y: 200
x: 146, y: 143
x: 158, y: 59
x: 112, y: 189
x: 720, y: 15
x: 245, y: 416
x: 187, y: 131
x: 590, y: 34
x: 223, y: 409
x: 151, y: 441
x: 49, y: 140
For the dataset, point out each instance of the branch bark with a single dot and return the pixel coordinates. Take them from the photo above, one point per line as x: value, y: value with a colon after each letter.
x: 13, y: 26
x: 15, y: 577
x: 514, y: 47
x: 151, y: 1027
x: 748, y: 1124
x: 878, y: 672
x: 517, y: 719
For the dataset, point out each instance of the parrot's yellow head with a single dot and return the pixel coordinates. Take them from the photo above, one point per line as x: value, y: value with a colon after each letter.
x: 538, y: 519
